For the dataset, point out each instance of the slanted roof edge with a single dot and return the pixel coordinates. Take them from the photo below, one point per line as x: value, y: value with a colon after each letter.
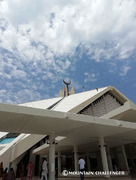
x: 90, y: 100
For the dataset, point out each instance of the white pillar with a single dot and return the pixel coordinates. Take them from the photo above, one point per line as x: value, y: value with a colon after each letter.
x: 59, y: 163
x: 52, y: 157
x: 76, y: 157
x: 103, y: 155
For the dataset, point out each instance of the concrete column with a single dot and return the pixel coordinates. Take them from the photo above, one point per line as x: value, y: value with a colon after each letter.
x: 123, y: 164
x: 88, y: 162
x: 125, y: 159
x: 109, y: 159
x: 63, y: 161
x: 47, y: 156
x: 103, y: 156
x: 40, y: 164
x: 76, y: 157
x: 52, y: 157
x: 59, y: 163
x: 99, y: 161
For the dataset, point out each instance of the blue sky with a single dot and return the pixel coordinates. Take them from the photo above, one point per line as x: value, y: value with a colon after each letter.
x: 42, y: 42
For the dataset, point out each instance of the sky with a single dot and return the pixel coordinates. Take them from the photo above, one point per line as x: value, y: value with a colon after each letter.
x: 90, y: 42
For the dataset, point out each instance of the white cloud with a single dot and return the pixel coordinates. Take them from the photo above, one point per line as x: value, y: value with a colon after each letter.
x: 42, y: 37
x: 90, y: 77
x: 124, y: 70
x: 76, y: 22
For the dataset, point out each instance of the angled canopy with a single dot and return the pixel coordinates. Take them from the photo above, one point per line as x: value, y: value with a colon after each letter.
x: 19, y: 119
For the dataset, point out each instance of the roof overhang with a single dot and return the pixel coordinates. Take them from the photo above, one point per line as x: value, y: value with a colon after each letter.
x: 78, y: 129
x: 127, y: 112
x: 19, y: 119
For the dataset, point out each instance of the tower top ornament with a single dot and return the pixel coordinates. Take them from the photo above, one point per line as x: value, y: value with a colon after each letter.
x: 67, y: 88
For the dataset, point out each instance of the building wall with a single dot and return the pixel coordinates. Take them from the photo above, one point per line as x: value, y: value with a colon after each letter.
x: 102, y: 105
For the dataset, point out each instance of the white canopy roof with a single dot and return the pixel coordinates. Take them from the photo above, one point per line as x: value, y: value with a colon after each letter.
x: 65, y: 104
x: 78, y: 129
x: 21, y: 119
x: 75, y: 102
x: 43, y: 104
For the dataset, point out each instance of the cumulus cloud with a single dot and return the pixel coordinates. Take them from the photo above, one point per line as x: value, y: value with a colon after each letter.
x: 64, y: 26
x: 40, y: 38
x: 124, y: 70
x: 90, y: 77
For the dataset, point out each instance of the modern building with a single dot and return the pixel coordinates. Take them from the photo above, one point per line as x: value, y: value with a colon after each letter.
x: 98, y: 125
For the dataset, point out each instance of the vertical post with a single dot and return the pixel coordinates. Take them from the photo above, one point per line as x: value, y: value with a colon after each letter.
x: 109, y: 159
x: 99, y: 161
x: 125, y: 159
x: 52, y: 156
x: 63, y: 162
x: 59, y: 163
x: 104, y: 156
x: 123, y: 164
x: 88, y: 162
x: 76, y: 158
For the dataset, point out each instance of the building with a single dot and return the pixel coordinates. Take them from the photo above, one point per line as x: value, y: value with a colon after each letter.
x: 98, y: 125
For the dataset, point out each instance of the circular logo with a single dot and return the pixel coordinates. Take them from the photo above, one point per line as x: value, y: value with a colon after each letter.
x: 65, y: 173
